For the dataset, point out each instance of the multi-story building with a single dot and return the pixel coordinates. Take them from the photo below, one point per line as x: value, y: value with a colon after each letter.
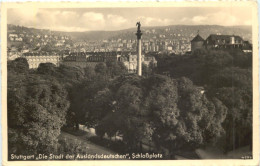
x: 215, y: 41
x: 35, y: 59
x: 85, y: 59
x: 223, y: 41
x: 74, y: 60
x: 130, y: 61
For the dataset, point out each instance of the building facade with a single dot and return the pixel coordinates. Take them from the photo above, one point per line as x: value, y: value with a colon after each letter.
x: 35, y: 59
x: 84, y: 59
x: 223, y: 41
x: 197, y: 43
x: 90, y: 59
x: 215, y: 41
x: 130, y: 61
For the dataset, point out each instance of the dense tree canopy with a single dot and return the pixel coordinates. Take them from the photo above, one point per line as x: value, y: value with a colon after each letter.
x: 66, y: 75
x: 19, y: 65
x: 226, y: 76
x: 174, y: 112
x: 37, y: 108
x: 187, y: 101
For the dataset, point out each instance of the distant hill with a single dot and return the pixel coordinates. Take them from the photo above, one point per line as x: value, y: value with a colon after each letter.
x: 184, y: 30
x: 171, y: 31
x: 90, y: 35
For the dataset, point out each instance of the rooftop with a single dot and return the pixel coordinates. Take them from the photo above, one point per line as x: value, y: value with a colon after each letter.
x: 226, y: 37
x: 197, y: 38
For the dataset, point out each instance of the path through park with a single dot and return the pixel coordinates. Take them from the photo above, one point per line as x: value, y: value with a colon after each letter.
x: 92, y: 148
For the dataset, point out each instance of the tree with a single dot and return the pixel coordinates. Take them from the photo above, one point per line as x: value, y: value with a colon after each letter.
x: 241, y: 59
x: 66, y: 75
x: 238, y: 124
x: 89, y: 98
x: 115, y: 68
x: 124, y: 115
x: 36, y: 111
x: 213, y: 62
x: 227, y: 77
x: 146, y: 70
x: 233, y: 87
x: 47, y: 68
x: 129, y: 99
x: 89, y: 73
x: 231, y: 77
x: 103, y: 103
x: 173, y: 114
x: 19, y: 65
x: 162, y: 102
x: 199, y: 115
x: 101, y: 68
x: 183, y: 117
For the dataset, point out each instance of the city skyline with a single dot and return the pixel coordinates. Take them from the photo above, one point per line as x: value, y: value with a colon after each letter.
x: 111, y: 19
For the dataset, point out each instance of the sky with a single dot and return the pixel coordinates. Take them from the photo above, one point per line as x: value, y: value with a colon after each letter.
x: 109, y: 19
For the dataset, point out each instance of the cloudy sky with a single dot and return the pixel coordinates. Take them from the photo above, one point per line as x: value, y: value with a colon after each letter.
x: 87, y: 19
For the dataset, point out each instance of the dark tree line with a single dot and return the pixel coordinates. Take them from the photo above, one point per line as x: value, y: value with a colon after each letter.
x: 170, y: 113
x: 225, y: 75
x: 41, y: 101
x: 37, y: 107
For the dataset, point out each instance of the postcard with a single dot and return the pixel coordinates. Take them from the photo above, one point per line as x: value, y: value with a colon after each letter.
x: 143, y: 83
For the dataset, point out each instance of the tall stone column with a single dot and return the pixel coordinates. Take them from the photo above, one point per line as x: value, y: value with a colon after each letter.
x: 139, y: 50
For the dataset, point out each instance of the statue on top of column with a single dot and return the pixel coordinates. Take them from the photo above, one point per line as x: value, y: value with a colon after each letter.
x: 138, y: 24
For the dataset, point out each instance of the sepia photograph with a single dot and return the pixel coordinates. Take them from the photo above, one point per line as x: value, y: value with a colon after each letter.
x: 129, y: 82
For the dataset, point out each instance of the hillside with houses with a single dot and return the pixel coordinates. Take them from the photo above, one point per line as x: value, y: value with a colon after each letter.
x: 174, y: 39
